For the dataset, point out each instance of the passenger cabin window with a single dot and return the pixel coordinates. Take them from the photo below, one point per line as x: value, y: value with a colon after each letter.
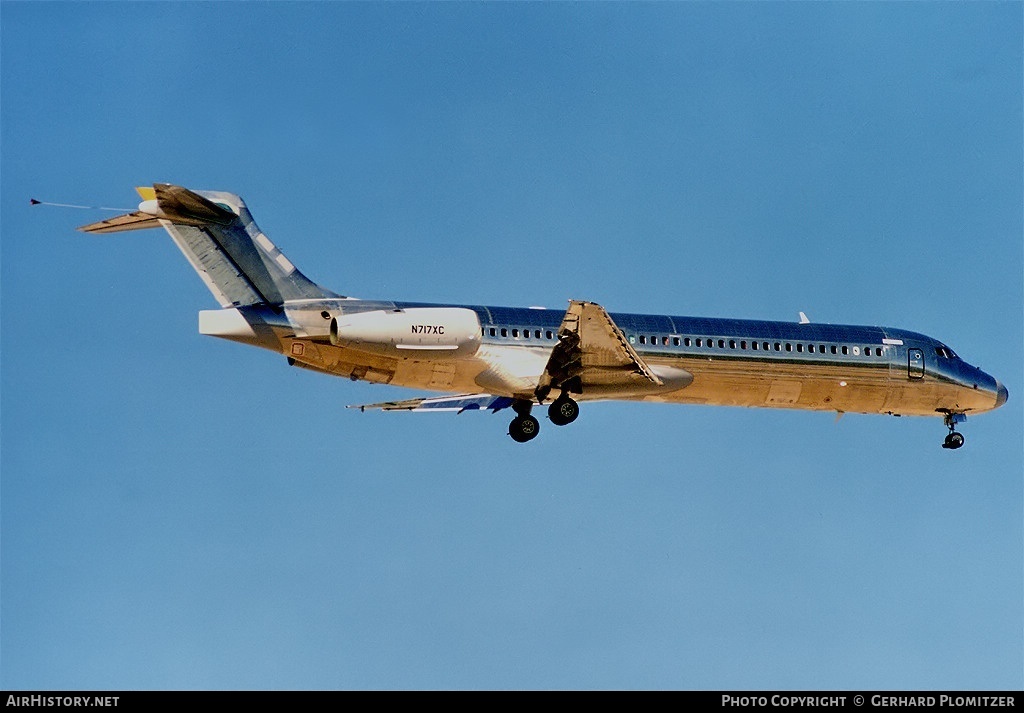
x: 789, y: 347
x: 492, y: 331
x: 700, y: 342
x: 675, y: 341
x: 732, y: 343
x: 548, y: 334
x: 778, y: 347
x: 643, y: 339
x: 800, y: 348
x: 504, y: 332
x: 536, y: 333
x: 515, y: 332
x: 834, y: 349
x: 846, y: 350
x: 721, y: 344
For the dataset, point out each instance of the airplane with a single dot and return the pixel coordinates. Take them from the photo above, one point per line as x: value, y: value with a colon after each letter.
x: 492, y: 358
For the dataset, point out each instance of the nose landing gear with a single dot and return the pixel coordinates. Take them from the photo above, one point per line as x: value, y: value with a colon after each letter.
x: 954, y: 439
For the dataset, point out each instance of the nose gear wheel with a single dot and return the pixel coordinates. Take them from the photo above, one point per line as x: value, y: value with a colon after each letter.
x: 954, y: 439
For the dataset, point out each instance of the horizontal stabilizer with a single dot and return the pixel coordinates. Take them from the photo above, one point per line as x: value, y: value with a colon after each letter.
x: 119, y: 223
x: 465, y: 402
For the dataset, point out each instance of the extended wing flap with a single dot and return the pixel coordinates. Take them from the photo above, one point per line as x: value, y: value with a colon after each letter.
x: 592, y: 350
x: 465, y: 402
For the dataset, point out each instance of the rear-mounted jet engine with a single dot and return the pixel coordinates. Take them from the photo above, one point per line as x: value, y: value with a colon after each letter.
x: 416, y: 333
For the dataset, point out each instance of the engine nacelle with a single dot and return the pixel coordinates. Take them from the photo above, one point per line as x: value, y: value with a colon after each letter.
x: 425, y: 333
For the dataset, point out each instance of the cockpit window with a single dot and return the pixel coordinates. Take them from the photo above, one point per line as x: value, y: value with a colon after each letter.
x: 945, y: 352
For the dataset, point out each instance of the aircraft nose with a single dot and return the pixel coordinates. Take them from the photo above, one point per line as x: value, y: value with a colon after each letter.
x: 1001, y: 394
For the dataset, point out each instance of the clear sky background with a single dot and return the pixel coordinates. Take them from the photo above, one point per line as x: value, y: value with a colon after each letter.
x: 184, y: 512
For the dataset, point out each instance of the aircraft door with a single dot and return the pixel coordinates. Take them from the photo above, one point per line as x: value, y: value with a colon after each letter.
x: 915, y: 363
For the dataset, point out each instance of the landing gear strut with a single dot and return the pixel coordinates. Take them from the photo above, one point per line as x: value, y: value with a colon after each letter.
x: 954, y: 439
x: 563, y: 410
x: 524, y: 427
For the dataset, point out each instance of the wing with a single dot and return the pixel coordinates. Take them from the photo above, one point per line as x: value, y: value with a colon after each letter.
x: 593, y: 351
x: 465, y: 402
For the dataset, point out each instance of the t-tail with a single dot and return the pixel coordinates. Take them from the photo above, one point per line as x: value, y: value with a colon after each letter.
x: 217, y: 234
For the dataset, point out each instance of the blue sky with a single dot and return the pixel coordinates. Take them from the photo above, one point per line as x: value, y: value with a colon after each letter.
x: 182, y: 512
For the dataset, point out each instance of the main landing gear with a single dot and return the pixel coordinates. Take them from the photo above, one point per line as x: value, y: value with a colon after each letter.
x: 563, y: 411
x: 525, y: 427
x: 954, y: 439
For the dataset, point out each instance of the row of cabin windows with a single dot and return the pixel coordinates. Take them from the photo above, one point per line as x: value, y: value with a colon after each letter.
x: 709, y: 342
x: 758, y: 346
x: 524, y: 334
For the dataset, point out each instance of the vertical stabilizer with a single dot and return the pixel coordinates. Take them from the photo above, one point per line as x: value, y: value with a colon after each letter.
x: 216, y: 233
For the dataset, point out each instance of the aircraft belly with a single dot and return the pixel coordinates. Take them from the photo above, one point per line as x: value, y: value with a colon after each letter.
x: 509, y: 371
x: 339, y: 361
x: 783, y: 392
x: 929, y: 396
x: 721, y: 382
x: 453, y: 376
x: 442, y: 376
x: 447, y: 376
x: 823, y: 387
